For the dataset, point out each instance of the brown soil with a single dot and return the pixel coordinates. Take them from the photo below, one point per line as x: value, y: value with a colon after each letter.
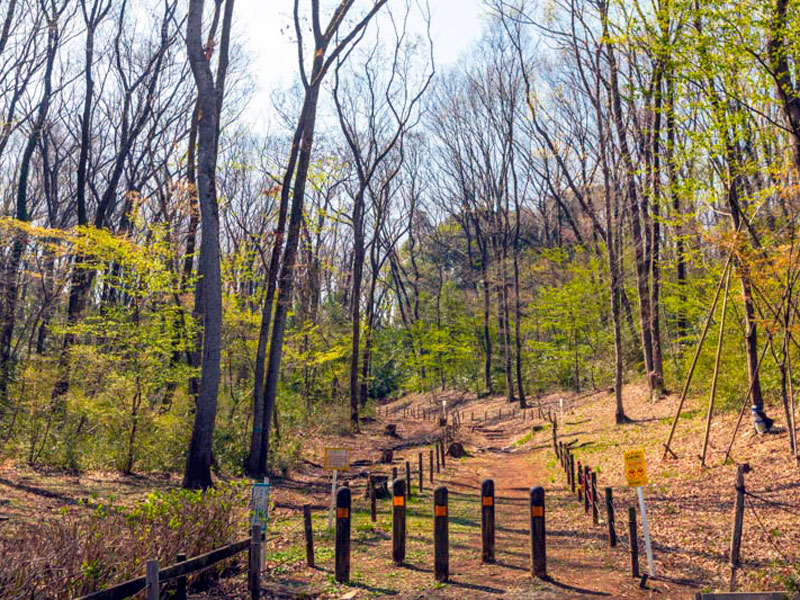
x: 689, y: 507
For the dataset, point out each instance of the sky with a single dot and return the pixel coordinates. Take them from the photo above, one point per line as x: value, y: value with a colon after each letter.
x: 267, y: 32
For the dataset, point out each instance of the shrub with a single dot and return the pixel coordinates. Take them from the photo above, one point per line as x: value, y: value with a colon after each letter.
x: 79, y: 553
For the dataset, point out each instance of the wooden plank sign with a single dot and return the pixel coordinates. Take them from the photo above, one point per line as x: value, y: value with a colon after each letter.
x: 336, y: 459
x: 635, y: 468
x: 259, y: 505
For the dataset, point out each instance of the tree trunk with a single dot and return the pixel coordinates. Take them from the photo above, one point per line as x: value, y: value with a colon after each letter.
x: 11, y: 274
x: 634, y: 215
x: 210, y: 97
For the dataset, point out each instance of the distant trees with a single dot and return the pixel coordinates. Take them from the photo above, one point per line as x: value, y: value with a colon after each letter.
x: 570, y: 190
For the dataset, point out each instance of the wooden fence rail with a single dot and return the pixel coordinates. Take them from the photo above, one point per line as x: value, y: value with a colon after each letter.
x: 181, y: 569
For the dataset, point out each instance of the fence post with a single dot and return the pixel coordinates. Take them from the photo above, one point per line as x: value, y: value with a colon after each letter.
x: 487, y: 521
x: 571, y: 472
x: 343, y: 535
x: 180, y: 586
x: 421, y: 474
x: 152, y: 580
x: 441, y: 445
x: 373, y: 503
x: 430, y: 466
x: 398, y: 521
x: 580, y: 482
x: 612, y: 532
x: 394, y: 473
x: 538, y: 546
x: 586, y: 488
x: 485, y: 415
x: 634, y: 542
x: 408, y: 480
x: 309, y: 533
x: 254, y: 563
x: 436, y: 449
x: 595, y: 502
x: 738, y: 517
x: 441, y: 549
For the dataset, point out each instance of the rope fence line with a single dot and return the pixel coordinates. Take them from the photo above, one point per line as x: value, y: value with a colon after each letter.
x: 767, y: 535
x: 792, y: 509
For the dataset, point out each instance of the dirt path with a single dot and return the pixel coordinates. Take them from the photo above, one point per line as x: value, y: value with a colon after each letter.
x: 580, y: 564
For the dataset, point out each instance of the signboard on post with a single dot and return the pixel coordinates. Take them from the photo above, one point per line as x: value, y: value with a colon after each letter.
x: 259, y: 504
x: 335, y: 459
x: 636, y: 476
x: 635, y: 468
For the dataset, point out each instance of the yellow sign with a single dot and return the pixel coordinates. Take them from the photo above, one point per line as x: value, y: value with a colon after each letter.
x: 635, y: 468
x: 336, y: 459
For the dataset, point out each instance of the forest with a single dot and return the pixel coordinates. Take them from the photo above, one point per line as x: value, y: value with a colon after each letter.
x: 596, y: 193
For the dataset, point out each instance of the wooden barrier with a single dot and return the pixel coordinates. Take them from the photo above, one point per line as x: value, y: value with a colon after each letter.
x: 595, y: 502
x: 633, y: 540
x: 152, y: 588
x: 612, y: 532
x: 373, y: 500
x: 738, y: 518
x: 408, y: 480
x: 398, y: 521
x: 342, y: 559
x: 180, y: 585
x: 487, y: 521
x: 572, y: 472
x: 441, y: 546
x: 309, y: 535
x: 538, y: 533
x: 580, y: 481
x: 587, y: 489
x: 441, y: 447
x: 436, y: 448
x: 196, y: 564
x: 254, y: 563
x: 430, y: 466
x: 421, y: 474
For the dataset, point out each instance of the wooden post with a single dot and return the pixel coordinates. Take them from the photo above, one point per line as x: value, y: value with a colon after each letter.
x: 421, y: 474
x: 472, y: 416
x: 443, y: 453
x: 738, y: 517
x: 487, y: 521
x: 180, y: 585
x: 408, y: 480
x: 373, y: 503
x: 441, y: 546
x: 587, y: 489
x: 572, y: 472
x: 580, y: 481
x: 342, y: 566
x: 634, y: 542
x: 436, y: 448
x: 394, y: 473
x: 485, y: 415
x: 309, y: 533
x: 430, y: 466
x: 595, y: 502
x: 612, y: 531
x: 538, y: 546
x: 398, y: 521
x: 151, y: 576
x: 254, y: 563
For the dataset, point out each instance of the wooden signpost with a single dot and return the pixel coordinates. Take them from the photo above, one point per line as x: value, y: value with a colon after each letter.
x: 636, y: 476
x: 259, y: 505
x: 335, y: 459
